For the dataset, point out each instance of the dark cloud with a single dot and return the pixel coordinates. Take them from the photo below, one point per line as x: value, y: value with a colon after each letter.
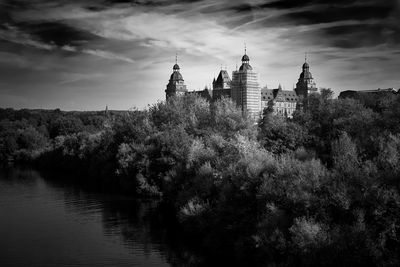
x: 362, y: 35
x: 151, y: 3
x: 5, y: 13
x: 242, y: 8
x: 308, y: 12
x: 54, y: 32
x: 237, y: 13
x: 57, y: 33
x: 350, y: 36
x: 95, y: 8
x: 362, y: 23
x: 340, y: 13
x: 286, y: 4
x: 134, y: 2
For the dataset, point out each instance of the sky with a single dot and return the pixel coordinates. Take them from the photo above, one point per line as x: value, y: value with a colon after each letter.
x: 84, y: 55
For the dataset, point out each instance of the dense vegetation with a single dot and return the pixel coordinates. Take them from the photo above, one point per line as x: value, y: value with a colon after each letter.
x: 319, y: 189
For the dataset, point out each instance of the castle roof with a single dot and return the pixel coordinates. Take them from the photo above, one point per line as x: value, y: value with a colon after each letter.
x: 223, y: 77
x: 355, y: 93
x: 306, y: 74
x: 207, y: 94
x: 176, y: 76
x: 379, y: 90
x: 278, y: 95
x: 245, y: 66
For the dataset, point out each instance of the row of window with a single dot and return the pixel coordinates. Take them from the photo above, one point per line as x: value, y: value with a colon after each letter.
x: 285, y: 104
x: 284, y: 112
x: 270, y: 97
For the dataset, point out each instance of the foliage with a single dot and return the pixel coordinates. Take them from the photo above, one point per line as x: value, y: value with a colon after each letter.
x: 319, y: 189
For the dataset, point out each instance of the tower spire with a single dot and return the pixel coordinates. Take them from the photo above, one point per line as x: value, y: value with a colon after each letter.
x: 305, y: 57
x: 245, y: 58
x: 176, y: 66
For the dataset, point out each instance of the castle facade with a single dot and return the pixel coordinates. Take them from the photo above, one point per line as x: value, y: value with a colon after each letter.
x: 246, y: 92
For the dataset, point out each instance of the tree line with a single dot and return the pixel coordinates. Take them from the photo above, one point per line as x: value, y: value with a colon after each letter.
x: 319, y: 189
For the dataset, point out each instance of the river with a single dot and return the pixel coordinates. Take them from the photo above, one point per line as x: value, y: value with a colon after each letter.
x: 46, y: 222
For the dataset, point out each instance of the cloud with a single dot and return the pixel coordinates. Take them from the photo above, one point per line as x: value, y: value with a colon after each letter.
x: 57, y: 33
x: 107, y: 55
x: 69, y: 48
x: 13, y: 34
x: 68, y: 78
x: 98, y: 53
x: 68, y: 22
x: 378, y: 21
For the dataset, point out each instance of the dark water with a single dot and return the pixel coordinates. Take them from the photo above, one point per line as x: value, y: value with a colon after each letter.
x: 47, y: 223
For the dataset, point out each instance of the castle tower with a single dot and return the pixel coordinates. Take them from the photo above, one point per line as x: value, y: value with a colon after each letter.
x: 305, y: 84
x: 245, y: 90
x: 176, y: 85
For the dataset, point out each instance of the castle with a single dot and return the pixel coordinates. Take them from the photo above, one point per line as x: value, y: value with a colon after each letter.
x: 246, y: 92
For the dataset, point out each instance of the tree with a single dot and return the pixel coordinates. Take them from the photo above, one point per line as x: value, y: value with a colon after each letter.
x: 30, y: 139
x: 345, y: 157
x: 326, y: 94
x: 65, y: 125
x: 280, y: 136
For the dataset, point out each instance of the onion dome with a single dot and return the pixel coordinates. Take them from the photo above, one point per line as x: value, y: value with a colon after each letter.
x: 306, y: 75
x: 306, y: 66
x: 176, y: 76
x: 245, y: 62
x: 176, y: 67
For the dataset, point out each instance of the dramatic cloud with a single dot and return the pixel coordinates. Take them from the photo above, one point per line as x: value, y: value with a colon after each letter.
x: 84, y: 55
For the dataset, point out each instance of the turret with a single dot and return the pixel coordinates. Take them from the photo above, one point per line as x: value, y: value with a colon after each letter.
x: 176, y: 85
x: 305, y: 84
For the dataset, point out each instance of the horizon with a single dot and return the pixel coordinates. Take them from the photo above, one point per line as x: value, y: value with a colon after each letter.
x: 86, y: 56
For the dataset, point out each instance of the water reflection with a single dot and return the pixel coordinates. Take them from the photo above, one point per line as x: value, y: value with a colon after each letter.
x: 48, y: 222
